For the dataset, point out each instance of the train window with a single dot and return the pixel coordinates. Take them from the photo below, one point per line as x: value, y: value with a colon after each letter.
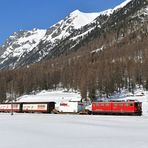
x: 121, y: 105
x: 115, y: 104
x: 94, y: 105
x: 127, y: 104
x: 15, y: 105
x: 102, y: 104
x: 98, y: 104
x: 41, y: 106
x: 107, y: 104
x: 131, y: 104
x: 137, y: 104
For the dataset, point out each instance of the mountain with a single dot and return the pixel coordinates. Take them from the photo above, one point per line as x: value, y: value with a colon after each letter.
x: 68, y: 35
x: 26, y: 47
x: 97, y: 54
x: 18, y: 45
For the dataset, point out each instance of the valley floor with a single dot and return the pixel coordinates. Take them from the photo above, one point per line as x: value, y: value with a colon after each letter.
x: 72, y: 131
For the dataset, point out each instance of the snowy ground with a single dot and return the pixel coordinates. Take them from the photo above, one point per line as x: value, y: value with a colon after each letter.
x: 72, y: 131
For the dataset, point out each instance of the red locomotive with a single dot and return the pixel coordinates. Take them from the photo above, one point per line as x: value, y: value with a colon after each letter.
x: 130, y: 107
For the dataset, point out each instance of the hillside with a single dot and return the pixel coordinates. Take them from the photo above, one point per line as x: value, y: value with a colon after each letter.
x: 104, y: 53
x: 27, y: 47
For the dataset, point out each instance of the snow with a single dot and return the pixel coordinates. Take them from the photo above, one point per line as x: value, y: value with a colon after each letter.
x: 81, y: 19
x: 72, y: 131
x: 106, y: 12
x: 97, y: 50
x: 82, y: 35
x: 76, y: 19
x: 51, y: 96
x: 26, y: 43
x: 122, y: 5
x: 146, y: 11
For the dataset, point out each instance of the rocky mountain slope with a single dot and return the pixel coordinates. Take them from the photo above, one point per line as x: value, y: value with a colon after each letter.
x: 27, y: 47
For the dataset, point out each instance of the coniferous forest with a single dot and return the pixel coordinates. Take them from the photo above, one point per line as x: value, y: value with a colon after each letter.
x: 107, y: 59
x: 91, y: 70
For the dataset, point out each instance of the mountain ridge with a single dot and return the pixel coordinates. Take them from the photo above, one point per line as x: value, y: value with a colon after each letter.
x: 28, y: 47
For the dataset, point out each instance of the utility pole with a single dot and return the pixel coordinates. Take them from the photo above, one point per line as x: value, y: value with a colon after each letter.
x: 11, y: 107
x: 12, y: 94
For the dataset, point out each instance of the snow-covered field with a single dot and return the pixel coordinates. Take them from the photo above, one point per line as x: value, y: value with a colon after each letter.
x: 72, y: 131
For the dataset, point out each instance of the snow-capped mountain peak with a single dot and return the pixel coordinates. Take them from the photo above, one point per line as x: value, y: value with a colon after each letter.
x: 81, y: 19
x: 27, y: 47
x: 75, y: 12
x: 21, y: 43
x: 75, y: 20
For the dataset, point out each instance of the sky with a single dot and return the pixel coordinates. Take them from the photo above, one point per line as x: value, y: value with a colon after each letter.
x: 18, y: 15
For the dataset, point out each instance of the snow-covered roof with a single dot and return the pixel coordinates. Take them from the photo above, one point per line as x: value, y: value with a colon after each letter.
x: 49, y: 96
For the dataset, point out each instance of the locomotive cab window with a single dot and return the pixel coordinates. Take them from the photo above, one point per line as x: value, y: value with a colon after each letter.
x: 131, y: 104
x: 137, y: 104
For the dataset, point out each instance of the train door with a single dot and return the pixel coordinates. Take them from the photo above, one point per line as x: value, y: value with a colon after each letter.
x: 138, y: 107
x: 51, y: 106
x: 21, y: 108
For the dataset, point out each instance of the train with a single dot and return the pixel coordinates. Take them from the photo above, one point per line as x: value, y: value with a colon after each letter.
x: 129, y: 107
x: 28, y: 107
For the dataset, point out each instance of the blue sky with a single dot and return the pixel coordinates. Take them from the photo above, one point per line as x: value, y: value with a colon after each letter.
x: 28, y: 14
